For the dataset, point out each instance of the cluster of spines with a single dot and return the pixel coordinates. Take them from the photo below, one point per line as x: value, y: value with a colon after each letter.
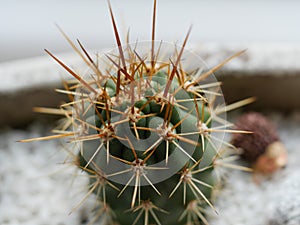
x: 130, y: 76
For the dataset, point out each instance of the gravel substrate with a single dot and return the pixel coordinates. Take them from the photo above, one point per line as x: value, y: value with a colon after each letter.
x: 37, y: 189
x: 245, y: 202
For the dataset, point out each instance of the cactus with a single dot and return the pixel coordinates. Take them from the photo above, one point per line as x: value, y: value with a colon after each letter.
x: 263, y: 149
x: 148, y: 126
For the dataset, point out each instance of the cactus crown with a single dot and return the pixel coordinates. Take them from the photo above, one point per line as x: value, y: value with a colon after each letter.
x: 146, y: 118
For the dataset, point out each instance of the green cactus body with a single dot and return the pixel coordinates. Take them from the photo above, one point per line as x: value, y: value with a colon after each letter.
x: 166, y: 133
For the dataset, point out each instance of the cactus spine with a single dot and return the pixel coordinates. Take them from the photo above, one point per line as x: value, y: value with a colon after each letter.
x: 143, y: 119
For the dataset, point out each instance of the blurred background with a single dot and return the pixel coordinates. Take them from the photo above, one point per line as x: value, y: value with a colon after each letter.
x: 27, y: 27
x: 270, y: 71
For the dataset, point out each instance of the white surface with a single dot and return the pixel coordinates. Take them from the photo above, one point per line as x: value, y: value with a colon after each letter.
x: 270, y: 56
x: 39, y: 71
x: 27, y: 27
x: 36, y: 188
x: 33, y: 72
